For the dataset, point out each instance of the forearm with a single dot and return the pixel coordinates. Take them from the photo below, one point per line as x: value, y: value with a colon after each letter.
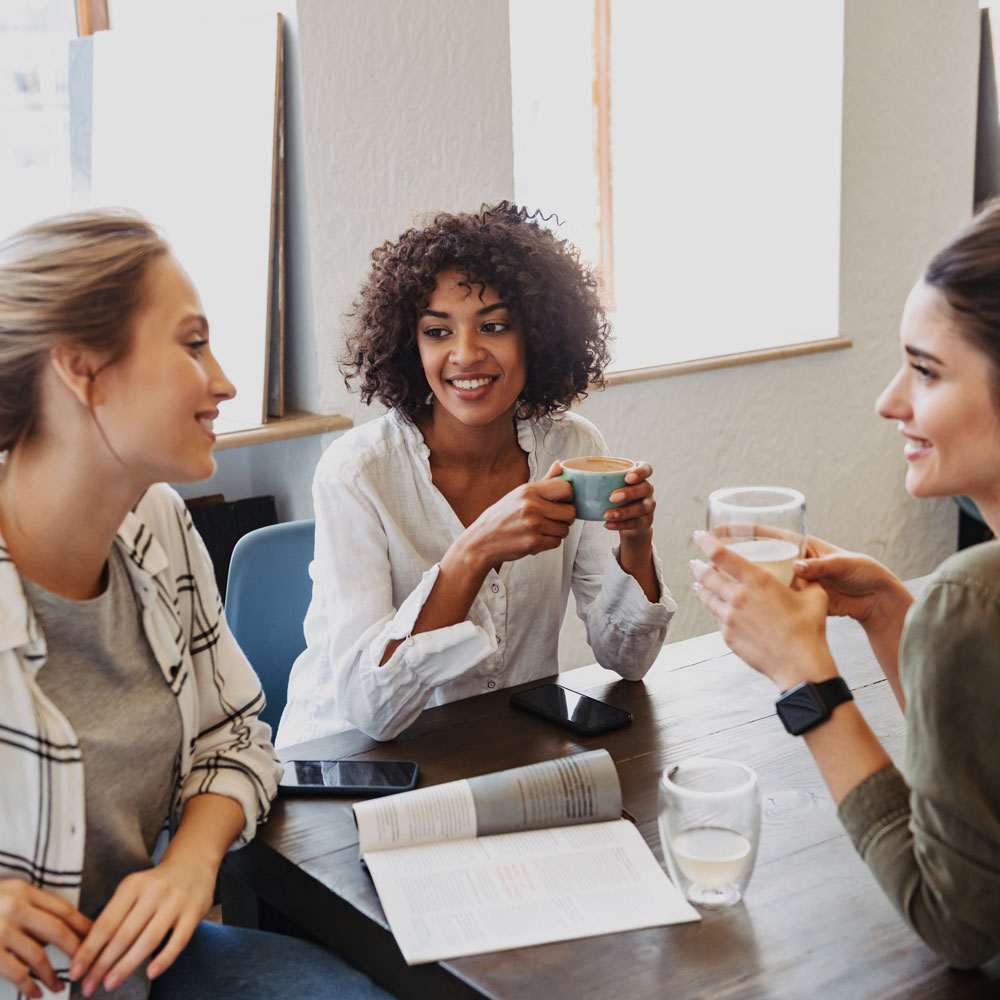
x: 845, y: 750
x: 635, y: 557
x: 461, y: 573
x: 208, y: 827
x: 884, y: 629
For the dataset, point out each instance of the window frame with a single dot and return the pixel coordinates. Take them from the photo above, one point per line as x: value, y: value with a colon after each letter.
x: 605, y: 224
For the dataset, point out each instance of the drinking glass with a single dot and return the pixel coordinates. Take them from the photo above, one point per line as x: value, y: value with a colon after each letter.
x: 709, y: 818
x: 765, y: 524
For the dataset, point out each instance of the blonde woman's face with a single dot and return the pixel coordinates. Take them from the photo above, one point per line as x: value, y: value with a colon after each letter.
x: 158, y: 403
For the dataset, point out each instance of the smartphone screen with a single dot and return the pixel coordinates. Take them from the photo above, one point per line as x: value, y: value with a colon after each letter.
x: 571, y: 709
x: 348, y: 777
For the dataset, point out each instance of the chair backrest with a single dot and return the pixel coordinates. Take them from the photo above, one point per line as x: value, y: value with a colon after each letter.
x: 267, y: 596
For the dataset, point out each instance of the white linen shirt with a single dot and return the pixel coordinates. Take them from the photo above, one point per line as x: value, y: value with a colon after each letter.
x: 381, y: 529
x: 225, y: 749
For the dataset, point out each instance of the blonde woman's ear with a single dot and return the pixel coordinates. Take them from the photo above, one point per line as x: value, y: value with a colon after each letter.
x: 76, y: 368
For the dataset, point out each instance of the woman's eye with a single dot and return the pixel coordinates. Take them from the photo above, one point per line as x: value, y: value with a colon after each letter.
x: 196, y: 345
x: 923, y: 372
x: 495, y: 326
x: 435, y: 331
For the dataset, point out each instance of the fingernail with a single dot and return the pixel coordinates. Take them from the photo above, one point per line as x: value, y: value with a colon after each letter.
x: 695, y: 587
x: 75, y: 971
x: 617, y: 496
x: 88, y: 987
x: 697, y: 535
x: 799, y: 564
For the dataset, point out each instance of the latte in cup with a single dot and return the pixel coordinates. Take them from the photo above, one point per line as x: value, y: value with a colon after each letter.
x: 594, y: 478
x: 597, y: 463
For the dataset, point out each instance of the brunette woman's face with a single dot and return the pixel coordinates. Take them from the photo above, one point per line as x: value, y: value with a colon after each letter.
x: 943, y: 399
x: 472, y: 351
x: 157, y: 404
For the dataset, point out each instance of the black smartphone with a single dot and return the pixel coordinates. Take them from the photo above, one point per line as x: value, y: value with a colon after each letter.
x: 348, y: 777
x: 575, y: 711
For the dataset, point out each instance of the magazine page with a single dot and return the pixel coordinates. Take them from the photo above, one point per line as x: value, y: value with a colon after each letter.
x: 517, y: 889
x: 422, y: 816
x: 582, y: 788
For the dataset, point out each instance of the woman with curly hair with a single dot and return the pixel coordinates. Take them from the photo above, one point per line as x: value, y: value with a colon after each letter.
x: 477, y: 332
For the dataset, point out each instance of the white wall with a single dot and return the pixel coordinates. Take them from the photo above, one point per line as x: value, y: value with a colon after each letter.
x: 406, y: 108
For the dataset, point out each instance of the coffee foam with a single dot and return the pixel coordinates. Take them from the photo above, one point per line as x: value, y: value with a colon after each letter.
x: 597, y: 463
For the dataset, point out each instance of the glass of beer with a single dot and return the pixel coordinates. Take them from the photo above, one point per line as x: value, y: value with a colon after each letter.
x: 765, y: 524
x: 709, y: 818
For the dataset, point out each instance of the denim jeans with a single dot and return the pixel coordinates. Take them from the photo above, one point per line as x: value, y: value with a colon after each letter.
x: 222, y: 962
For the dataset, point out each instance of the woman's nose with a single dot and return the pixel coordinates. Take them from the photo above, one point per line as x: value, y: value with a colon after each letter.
x: 893, y: 403
x: 218, y: 382
x: 466, y: 347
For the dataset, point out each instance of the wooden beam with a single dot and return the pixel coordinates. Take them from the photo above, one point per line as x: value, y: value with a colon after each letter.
x: 91, y: 16
x: 602, y: 116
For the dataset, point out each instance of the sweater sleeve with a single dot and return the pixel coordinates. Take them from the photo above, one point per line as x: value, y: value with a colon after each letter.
x: 933, y: 840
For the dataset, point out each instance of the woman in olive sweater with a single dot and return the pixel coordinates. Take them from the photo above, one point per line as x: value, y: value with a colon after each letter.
x: 931, y: 835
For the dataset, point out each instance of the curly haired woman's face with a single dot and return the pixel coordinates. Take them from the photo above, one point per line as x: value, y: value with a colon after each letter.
x: 472, y: 351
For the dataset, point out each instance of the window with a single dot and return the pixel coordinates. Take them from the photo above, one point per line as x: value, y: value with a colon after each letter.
x: 34, y: 110
x: 193, y: 152
x: 715, y: 129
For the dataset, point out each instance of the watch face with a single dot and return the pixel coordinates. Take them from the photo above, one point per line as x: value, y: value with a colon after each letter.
x: 799, y: 709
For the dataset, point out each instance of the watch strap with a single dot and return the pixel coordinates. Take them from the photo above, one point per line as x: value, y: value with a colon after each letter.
x: 806, y: 705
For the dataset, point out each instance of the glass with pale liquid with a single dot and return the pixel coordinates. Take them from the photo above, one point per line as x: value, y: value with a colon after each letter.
x: 765, y: 524
x: 709, y: 817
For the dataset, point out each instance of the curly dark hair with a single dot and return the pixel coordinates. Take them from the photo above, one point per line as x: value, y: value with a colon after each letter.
x: 541, y: 277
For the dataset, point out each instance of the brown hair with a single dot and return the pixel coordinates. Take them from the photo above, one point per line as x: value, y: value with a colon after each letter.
x: 540, y: 276
x: 967, y: 273
x: 74, y: 279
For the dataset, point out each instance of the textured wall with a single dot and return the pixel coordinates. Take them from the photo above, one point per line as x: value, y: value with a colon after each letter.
x: 407, y: 110
x: 406, y: 107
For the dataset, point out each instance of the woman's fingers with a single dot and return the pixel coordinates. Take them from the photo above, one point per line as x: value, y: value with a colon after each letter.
x: 182, y: 932
x: 21, y: 958
x: 106, y: 944
x: 30, y: 919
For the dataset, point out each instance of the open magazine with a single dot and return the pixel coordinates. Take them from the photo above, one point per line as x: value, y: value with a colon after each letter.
x: 516, y: 858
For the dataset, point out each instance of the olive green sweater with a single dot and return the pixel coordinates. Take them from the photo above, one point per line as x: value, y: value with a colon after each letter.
x: 932, y: 839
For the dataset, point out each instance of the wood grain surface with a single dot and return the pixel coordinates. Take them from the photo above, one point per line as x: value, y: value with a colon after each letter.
x: 813, y: 922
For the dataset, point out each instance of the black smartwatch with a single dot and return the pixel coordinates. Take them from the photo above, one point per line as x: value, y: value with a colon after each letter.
x: 807, y: 705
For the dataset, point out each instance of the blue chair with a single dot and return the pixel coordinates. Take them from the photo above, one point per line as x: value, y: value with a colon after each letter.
x: 267, y: 595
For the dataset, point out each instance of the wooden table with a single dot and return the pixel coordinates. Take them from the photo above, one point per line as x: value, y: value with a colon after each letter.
x: 813, y: 922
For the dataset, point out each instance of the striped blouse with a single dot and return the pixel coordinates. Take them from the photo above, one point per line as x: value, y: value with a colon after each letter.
x: 225, y: 749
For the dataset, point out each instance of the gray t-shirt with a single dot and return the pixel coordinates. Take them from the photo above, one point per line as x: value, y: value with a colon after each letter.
x: 101, y: 674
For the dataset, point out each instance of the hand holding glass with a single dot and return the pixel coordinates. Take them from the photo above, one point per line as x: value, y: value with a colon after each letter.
x: 765, y: 524
x: 709, y: 817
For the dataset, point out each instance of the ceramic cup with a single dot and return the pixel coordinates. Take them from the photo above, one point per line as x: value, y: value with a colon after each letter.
x: 594, y: 478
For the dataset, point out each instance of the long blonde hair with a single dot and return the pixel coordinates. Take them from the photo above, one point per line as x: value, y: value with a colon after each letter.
x: 75, y: 279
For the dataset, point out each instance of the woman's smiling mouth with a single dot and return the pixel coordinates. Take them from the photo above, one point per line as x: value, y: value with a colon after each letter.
x: 467, y: 384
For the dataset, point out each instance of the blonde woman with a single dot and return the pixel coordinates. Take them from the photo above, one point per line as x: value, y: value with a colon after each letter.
x: 125, y: 703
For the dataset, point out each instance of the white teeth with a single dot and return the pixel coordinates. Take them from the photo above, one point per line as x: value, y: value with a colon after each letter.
x: 470, y: 383
x: 207, y: 423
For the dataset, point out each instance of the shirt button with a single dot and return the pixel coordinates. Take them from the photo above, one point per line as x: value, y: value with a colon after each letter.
x: 491, y: 684
x: 495, y: 588
x: 499, y: 640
